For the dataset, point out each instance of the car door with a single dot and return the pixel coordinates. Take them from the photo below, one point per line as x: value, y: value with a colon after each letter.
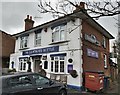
x: 20, y: 85
x: 44, y: 86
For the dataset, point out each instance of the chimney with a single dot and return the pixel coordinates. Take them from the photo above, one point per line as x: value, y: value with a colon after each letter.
x: 80, y: 7
x: 28, y: 23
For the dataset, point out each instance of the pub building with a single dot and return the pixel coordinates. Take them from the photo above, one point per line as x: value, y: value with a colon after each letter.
x: 64, y: 51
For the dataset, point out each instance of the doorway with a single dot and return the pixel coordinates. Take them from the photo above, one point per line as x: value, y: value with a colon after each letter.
x: 37, y: 61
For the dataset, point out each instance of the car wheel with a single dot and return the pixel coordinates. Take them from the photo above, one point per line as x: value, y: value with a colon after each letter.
x: 62, y: 92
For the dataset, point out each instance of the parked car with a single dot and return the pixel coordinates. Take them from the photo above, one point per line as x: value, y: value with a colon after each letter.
x: 31, y: 84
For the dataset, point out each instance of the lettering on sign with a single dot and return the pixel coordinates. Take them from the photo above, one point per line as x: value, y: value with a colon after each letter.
x: 92, y: 39
x: 41, y: 50
x: 92, y: 53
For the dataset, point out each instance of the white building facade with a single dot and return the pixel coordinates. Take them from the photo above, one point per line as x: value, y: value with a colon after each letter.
x: 55, y: 45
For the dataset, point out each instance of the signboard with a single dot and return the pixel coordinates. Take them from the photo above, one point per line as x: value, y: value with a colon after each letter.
x: 41, y: 50
x: 92, y: 53
x: 92, y: 39
x: 70, y: 67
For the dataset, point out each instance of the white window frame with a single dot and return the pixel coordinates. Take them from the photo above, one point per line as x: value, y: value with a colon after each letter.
x: 57, y: 58
x: 38, y: 39
x: 23, y: 42
x: 59, y: 33
x: 105, y: 60
x: 23, y: 62
x: 104, y: 42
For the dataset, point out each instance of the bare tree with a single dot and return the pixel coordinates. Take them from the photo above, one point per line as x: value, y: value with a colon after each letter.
x: 64, y: 7
x: 118, y: 46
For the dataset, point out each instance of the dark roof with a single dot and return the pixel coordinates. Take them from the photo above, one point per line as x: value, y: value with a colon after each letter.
x: 81, y: 14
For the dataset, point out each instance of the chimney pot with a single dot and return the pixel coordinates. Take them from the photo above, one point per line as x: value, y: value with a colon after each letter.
x: 79, y: 7
x: 28, y: 23
x: 82, y: 5
x: 30, y: 17
x: 27, y: 16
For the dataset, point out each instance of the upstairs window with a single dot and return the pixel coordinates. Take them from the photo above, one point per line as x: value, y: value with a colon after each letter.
x: 105, y: 61
x: 104, y: 42
x: 24, y: 42
x: 38, y: 39
x: 58, y: 33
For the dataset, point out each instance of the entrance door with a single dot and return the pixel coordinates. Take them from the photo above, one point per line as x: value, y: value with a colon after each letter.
x: 37, y: 64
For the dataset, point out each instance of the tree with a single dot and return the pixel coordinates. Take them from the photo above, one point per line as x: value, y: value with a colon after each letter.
x: 118, y: 48
x: 64, y: 7
x: 118, y: 42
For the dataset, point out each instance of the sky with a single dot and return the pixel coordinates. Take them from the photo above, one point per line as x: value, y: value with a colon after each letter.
x: 13, y: 13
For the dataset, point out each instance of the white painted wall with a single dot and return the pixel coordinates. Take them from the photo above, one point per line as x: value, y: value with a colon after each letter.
x: 72, y: 48
x: 15, y: 58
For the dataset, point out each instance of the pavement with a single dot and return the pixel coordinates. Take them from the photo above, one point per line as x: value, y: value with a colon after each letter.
x: 111, y: 90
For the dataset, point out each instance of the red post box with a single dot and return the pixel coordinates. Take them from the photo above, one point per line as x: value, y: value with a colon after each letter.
x: 94, y: 80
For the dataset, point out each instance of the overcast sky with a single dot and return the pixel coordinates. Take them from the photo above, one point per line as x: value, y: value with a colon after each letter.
x: 13, y: 14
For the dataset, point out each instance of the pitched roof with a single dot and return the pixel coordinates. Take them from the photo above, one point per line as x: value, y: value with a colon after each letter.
x: 81, y: 14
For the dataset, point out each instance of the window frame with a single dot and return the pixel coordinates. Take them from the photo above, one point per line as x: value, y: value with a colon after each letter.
x: 37, y: 84
x: 45, y: 64
x: 22, y: 64
x: 18, y: 83
x: 57, y: 33
x: 105, y: 61
x: 38, y: 39
x: 24, y: 41
x: 104, y: 42
x: 57, y: 59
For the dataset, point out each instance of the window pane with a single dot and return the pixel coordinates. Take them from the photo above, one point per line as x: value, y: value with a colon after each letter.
x: 56, y: 57
x: 20, y: 65
x: 51, y: 66
x: 52, y: 58
x: 61, y: 57
x: 20, y: 82
x: 105, y: 61
x: 24, y: 41
x: 62, y: 35
x: 24, y: 66
x: 39, y: 80
x: 38, y: 39
x: 45, y: 64
x: 56, y: 66
x: 61, y: 66
x: 58, y: 33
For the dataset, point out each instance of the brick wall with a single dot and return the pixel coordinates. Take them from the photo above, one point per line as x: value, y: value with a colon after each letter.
x: 91, y: 63
x: 8, y: 45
